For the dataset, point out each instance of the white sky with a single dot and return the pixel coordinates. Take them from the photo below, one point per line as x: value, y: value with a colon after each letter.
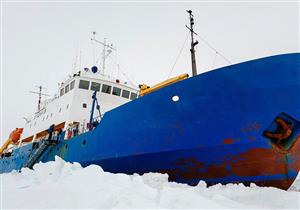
x: 40, y: 41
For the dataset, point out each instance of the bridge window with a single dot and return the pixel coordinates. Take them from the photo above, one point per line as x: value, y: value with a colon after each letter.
x: 61, y: 92
x: 72, y: 85
x: 106, y: 89
x: 83, y: 84
x: 95, y: 86
x: 116, y: 91
x: 67, y: 88
x: 125, y: 94
x: 133, y: 96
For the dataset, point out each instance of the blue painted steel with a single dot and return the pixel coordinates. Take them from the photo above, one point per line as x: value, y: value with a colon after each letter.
x: 92, y: 110
x: 214, y: 132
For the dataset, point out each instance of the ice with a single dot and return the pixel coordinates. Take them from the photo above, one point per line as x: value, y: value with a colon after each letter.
x: 63, y: 185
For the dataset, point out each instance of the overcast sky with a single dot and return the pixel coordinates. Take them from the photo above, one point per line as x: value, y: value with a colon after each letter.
x: 40, y: 42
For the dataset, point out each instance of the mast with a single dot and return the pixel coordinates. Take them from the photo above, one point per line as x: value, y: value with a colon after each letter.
x: 107, y: 49
x: 103, y: 55
x: 40, y: 95
x: 193, y: 44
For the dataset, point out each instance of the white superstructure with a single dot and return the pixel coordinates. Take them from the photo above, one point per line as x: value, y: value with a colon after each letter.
x: 73, y: 102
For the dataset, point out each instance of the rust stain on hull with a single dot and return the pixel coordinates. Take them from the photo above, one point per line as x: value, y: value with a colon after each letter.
x: 228, y: 141
x: 254, y: 162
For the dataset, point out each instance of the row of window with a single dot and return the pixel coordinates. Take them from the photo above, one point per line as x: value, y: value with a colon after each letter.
x: 84, y: 84
x: 67, y: 88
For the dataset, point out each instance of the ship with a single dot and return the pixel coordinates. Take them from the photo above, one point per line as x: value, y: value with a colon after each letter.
x: 235, y: 124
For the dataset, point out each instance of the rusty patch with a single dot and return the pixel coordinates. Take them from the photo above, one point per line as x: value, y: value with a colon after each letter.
x: 284, y: 131
x: 188, y: 162
x: 251, y: 128
x: 254, y: 162
x: 228, y: 141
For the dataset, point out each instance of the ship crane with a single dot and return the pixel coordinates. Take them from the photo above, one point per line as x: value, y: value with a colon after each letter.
x: 145, y: 89
x: 105, y: 52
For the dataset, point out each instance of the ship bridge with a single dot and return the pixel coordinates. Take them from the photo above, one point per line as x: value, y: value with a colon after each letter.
x: 73, y: 102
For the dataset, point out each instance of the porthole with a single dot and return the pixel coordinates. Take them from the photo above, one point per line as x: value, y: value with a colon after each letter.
x: 175, y: 98
x: 84, y: 142
x: 66, y: 146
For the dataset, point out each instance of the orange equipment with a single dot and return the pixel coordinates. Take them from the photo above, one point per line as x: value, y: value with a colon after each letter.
x: 14, y: 138
x: 145, y: 89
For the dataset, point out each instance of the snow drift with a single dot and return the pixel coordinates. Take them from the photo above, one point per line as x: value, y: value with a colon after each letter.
x: 59, y: 184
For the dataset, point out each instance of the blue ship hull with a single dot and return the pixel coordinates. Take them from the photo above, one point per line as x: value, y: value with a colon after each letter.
x: 216, y: 131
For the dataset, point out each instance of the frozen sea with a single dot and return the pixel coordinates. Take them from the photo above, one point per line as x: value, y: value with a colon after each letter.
x: 62, y: 185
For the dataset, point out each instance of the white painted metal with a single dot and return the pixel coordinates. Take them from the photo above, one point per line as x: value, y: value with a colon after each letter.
x: 69, y: 107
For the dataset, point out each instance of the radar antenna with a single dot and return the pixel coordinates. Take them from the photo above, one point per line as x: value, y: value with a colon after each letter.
x: 105, y: 51
x: 193, y: 44
x: 40, y: 95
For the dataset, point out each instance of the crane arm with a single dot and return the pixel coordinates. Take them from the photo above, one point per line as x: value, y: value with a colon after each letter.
x: 5, y: 145
x: 144, y: 89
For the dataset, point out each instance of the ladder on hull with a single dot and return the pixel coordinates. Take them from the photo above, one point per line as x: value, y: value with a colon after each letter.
x: 39, y: 152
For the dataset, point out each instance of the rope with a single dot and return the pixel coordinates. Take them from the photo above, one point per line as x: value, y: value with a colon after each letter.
x: 214, y: 61
x: 129, y: 80
x: 206, y: 42
x: 178, y: 55
x: 119, y: 70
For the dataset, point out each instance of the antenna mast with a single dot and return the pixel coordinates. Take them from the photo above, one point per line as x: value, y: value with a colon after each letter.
x: 193, y: 44
x: 105, y: 45
x: 40, y: 95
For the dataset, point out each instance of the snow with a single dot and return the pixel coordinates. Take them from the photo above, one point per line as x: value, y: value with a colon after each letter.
x: 59, y: 184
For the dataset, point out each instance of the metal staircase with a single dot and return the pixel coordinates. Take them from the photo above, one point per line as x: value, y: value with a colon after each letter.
x: 39, y: 152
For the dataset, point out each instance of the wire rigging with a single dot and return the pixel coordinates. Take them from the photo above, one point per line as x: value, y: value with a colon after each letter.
x: 205, y: 42
x: 214, y: 61
x: 120, y: 70
x: 187, y: 35
x: 211, y: 47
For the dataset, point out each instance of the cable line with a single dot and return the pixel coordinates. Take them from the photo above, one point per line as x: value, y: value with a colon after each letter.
x: 178, y: 55
x: 206, y: 42
x: 214, y: 61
